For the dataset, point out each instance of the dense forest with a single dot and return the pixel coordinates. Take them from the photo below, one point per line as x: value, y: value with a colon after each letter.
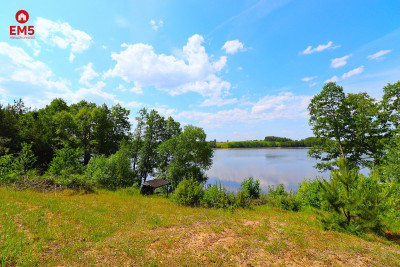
x: 85, y: 145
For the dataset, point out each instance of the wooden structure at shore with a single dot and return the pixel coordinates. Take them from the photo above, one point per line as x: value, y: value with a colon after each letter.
x: 149, y: 186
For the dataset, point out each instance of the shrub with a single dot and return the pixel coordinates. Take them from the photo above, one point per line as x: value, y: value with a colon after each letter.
x: 66, y: 161
x: 356, y: 200
x: 120, y: 168
x: 112, y: 172
x: 242, y: 199
x: 98, y: 171
x: 25, y: 159
x: 251, y: 187
x: 6, y: 168
x: 217, y: 196
x: 189, y: 192
x: 77, y: 182
x: 310, y: 193
x: 284, y: 200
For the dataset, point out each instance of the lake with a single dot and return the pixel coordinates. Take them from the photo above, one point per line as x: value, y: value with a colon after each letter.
x: 271, y: 166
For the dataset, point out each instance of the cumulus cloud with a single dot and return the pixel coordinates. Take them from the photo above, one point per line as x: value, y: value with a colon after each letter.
x: 339, y: 62
x: 285, y: 105
x: 88, y: 74
x: 353, y: 72
x: 193, y: 71
x: 379, y: 55
x: 62, y: 35
x: 156, y: 25
x: 346, y: 75
x: 23, y: 68
x: 32, y: 80
x: 232, y: 47
x: 308, y: 79
x: 319, y: 48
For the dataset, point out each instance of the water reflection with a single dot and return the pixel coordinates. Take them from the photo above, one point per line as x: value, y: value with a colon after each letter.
x: 270, y: 166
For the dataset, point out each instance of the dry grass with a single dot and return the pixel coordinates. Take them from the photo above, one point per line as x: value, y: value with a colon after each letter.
x: 121, y: 229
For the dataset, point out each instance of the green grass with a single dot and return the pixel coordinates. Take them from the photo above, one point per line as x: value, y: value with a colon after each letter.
x: 124, y: 228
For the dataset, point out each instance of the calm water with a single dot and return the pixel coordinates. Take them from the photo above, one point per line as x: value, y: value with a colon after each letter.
x: 270, y: 166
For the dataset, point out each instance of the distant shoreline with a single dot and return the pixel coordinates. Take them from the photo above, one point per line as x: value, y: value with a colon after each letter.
x: 215, y: 148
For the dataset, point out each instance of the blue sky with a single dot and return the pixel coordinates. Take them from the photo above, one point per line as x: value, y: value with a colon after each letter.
x: 239, y: 69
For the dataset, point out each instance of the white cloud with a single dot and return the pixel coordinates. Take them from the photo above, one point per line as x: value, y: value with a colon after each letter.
x: 133, y: 104
x: 353, y: 72
x: 34, y: 45
x: 285, y: 105
x: 308, y: 79
x: 156, y: 25
x: 88, y: 74
x: 240, y: 68
x: 339, y: 62
x: 319, y: 48
x: 378, y: 55
x: 193, y: 71
x: 334, y: 79
x: 62, y: 35
x: 121, y: 88
x: 346, y: 75
x: 312, y: 84
x: 136, y: 90
x: 218, y: 101
x: 232, y: 47
x: 23, y: 68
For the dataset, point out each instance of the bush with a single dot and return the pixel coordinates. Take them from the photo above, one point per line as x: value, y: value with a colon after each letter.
x: 98, y: 171
x: 66, y: 161
x: 77, y: 182
x: 242, y: 199
x: 6, y: 168
x: 357, y: 201
x: 278, y: 197
x: 217, y: 196
x: 120, y: 168
x: 25, y: 159
x: 112, y: 172
x: 251, y: 187
x: 189, y: 192
x: 310, y: 193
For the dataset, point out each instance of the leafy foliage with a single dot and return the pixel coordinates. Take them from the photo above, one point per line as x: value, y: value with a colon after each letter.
x: 189, y: 192
x: 251, y: 187
x: 356, y: 200
x: 353, y: 126
x: 186, y: 153
x: 278, y: 197
x: 217, y: 196
x: 66, y: 161
x: 310, y: 193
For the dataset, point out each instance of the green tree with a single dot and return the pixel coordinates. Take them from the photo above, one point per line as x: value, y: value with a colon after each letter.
x: 328, y: 118
x: 347, y: 126
x: 25, y: 159
x: 66, y: 161
x: 187, y: 154
x: 152, y: 138
x: 355, y: 199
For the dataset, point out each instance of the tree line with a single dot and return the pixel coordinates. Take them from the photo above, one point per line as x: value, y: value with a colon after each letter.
x: 269, y: 141
x: 84, y: 143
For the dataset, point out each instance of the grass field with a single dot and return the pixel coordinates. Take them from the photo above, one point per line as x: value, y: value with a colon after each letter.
x: 124, y: 228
